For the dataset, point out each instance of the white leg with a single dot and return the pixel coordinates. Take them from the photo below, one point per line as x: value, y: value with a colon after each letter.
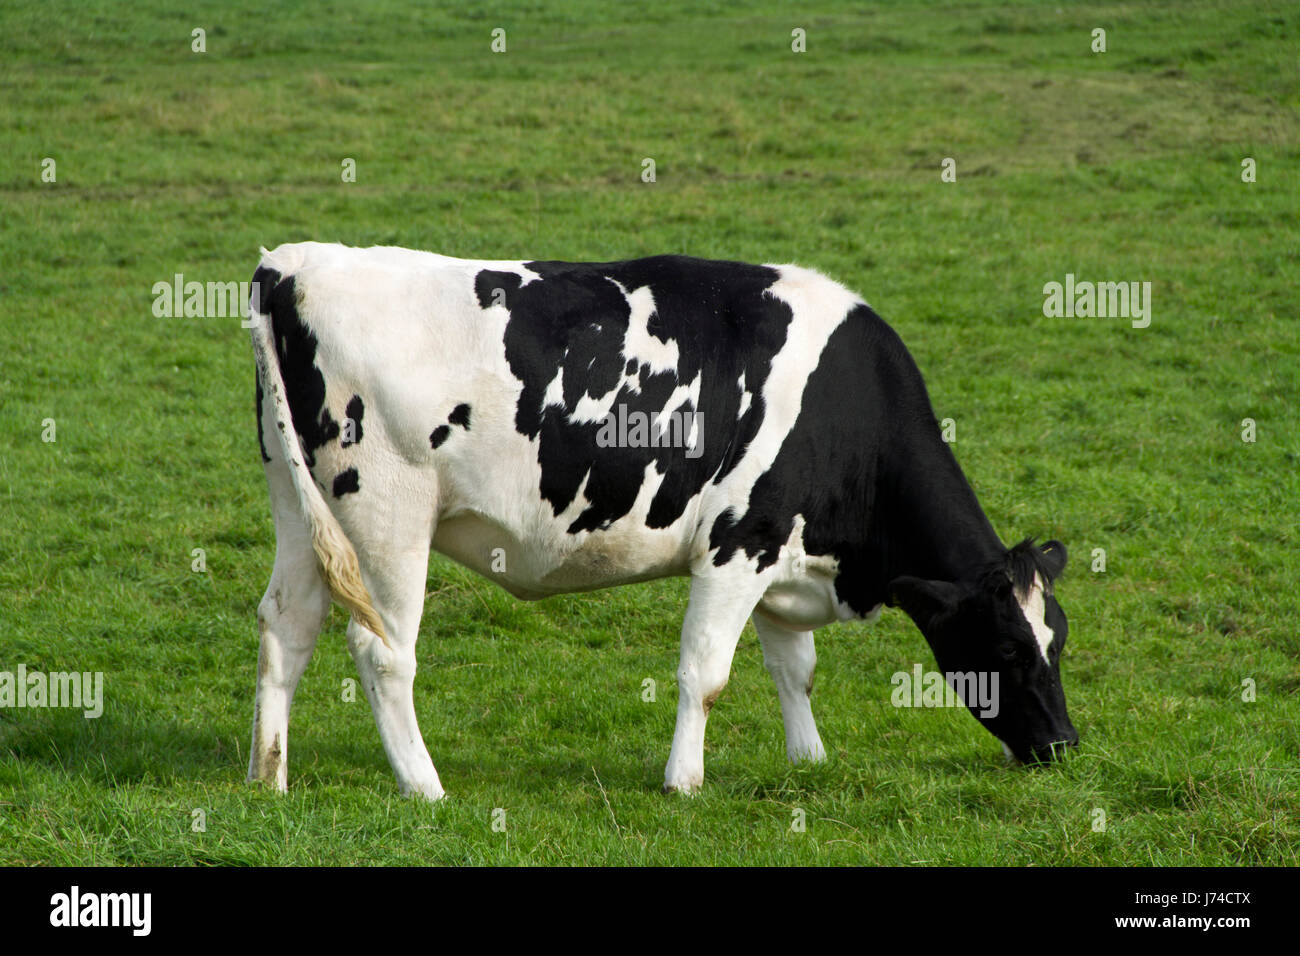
x: 715, y: 617
x: 289, y: 618
x: 790, y: 659
x: 395, y: 576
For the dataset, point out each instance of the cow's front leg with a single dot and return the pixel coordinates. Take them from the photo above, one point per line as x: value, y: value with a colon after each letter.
x: 791, y: 659
x: 719, y: 607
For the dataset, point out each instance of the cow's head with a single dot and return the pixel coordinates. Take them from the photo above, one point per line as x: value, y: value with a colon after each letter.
x: 1004, y: 621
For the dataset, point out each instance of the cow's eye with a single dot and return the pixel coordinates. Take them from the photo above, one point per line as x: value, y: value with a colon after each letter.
x: 1011, y: 651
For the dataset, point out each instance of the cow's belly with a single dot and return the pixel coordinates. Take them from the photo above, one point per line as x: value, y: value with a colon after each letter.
x: 536, y: 567
x: 802, y: 594
x: 805, y: 601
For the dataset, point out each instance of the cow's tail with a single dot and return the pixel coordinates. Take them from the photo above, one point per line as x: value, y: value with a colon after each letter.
x: 338, y: 559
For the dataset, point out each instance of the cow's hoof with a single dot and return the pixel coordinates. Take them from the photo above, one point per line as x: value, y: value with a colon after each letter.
x: 689, y: 789
x: 431, y: 793
x: 810, y: 753
x: 270, y: 783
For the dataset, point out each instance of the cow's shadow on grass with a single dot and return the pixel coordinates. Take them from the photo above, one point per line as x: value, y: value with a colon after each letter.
x: 133, y: 746
x: 463, y: 769
x: 139, y: 746
x: 122, y: 746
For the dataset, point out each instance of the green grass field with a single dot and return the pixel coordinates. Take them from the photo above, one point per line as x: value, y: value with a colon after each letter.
x: 1119, y: 166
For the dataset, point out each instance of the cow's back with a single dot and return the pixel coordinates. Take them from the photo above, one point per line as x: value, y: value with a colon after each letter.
x: 521, y: 399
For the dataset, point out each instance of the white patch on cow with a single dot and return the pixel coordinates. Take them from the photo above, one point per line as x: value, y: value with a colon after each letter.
x: 644, y: 349
x: 1035, y: 609
x: 554, y: 394
x: 802, y: 593
x: 639, y: 343
x: 589, y: 410
x: 680, y: 394
x: 745, y: 397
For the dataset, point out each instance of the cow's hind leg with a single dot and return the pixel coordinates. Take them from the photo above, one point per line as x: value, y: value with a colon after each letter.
x: 394, y: 564
x: 719, y: 607
x: 289, y: 618
x: 790, y: 658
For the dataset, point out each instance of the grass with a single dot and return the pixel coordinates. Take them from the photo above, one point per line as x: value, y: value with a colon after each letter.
x: 1117, y: 166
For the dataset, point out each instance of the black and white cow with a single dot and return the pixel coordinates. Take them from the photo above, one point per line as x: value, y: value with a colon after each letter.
x: 562, y: 427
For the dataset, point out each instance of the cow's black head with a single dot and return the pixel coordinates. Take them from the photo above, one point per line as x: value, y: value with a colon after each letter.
x: 1004, y: 621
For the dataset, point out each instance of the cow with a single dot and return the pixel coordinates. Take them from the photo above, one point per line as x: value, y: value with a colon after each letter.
x: 561, y: 427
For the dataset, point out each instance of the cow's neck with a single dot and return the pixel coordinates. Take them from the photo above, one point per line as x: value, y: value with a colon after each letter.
x: 926, y: 521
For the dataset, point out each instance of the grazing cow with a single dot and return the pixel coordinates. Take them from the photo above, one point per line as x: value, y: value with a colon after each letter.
x: 562, y: 427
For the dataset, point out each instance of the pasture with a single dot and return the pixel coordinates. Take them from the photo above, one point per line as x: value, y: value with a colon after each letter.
x: 1183, y: 662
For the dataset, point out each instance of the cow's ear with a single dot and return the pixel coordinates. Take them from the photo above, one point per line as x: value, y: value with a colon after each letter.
x: 924, y: 601
x: 1056, y: 555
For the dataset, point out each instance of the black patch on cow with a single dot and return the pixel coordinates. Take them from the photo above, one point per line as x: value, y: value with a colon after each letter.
x: 355, y: 410
x: 867, y: 468
x: 261, y: 441
x: 460, y: 416
x: 295, y: 349
x: 264, y: 280
x: 574, y: 321
x: 439, y: 435
x: 346, y: 482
